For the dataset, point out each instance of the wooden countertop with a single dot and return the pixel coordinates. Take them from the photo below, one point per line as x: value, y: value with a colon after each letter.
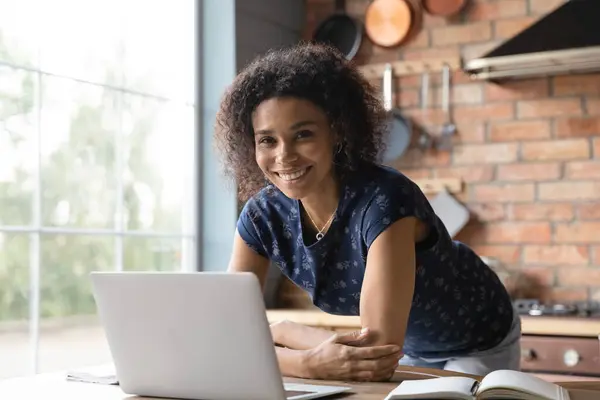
x: 55, y: 386
x: 555, y: 326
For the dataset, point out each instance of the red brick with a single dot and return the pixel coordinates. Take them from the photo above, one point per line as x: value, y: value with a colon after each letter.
x: 416, y: 158
x: 505, y: 193
x: 465, y: 133
x: 578, y: 127
x: 406, y: 98
x: 459, y: 76
x: 437, y: 52
x: 426, y: 117
x: 431, y: 21
x: 520, y: 130
x: 421, y: 40
x: 580, y: 276
x: 578, y: 232
x: 568, y: 149
x: 406, y: 81
x: 583, y: 170
x: 506, y: 254
x: 565, y: 294
x: 577, y: 84
x: 528, y: 172
x: 487, y: 212
x: 507, y: 28
x: 517, y: 90
x: 492, y: 111
x: 470, y: 133
x: 593, y: 105
x: 480, y: 11
x: 548, y: 108
x: 417, y: 173
x: 541, y: 212
x: 588, y: 211
x: 471, y: 93
x: 543, y: 276
x: 470, y: 51
x: 544, y: 6
x: 522, y: 232
x: 480, y: 173
x: 564, y: 191
x: 485, y: 153
x: 354, y: 7
x: 459, y: 34
x: 556, y: 255
x: 381, y: 56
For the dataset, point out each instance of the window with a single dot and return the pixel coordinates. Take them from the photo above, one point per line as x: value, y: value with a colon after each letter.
x: 97, y: 139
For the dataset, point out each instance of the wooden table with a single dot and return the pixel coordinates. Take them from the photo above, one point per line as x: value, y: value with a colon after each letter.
x: 55, y: 386
x: 554, y: 326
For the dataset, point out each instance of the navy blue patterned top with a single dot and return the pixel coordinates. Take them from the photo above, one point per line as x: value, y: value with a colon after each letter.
x: 459, y: 304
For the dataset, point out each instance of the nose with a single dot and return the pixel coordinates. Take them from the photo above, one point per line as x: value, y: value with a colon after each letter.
x: 286, y: 152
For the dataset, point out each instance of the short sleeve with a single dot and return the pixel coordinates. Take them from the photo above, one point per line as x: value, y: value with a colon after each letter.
x: 390, y: 202
x: 249, y: 227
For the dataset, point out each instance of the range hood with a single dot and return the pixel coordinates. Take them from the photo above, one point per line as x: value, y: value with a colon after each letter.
x: 565, y: 41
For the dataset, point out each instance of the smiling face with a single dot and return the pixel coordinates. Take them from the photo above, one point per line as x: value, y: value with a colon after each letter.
x: 294, y: 145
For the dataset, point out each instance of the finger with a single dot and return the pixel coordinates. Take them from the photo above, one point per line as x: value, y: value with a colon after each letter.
x: 374, y: 365
x: 373, y: 375
x: 352, y: 338
x: 384, y: 375
x: 374, y: 352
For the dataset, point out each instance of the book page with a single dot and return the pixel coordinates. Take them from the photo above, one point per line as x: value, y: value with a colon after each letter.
x: 538, y: 388
x: 450, y: 387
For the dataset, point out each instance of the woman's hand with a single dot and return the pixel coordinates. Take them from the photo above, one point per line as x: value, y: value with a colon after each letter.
x: 341, y: 357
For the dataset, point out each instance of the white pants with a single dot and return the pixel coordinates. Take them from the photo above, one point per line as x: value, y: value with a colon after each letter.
x: 505, y: 355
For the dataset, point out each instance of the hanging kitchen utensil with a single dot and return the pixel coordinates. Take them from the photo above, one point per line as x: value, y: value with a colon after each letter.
x: 399, y: 128
x: 453, y: 214
x: 448, y: 129
x: 388, y: 22
x: 340, y: 31
x: 444, y: 8
x: 425, y: 140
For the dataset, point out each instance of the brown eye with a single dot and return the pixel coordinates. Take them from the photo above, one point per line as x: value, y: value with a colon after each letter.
x: 304, y: 134
x: 266, y: 141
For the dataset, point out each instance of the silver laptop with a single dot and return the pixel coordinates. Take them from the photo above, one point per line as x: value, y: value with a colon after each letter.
x: 193, y: 335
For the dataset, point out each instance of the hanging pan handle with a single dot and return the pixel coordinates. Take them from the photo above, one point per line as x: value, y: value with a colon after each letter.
x: 387, y: 87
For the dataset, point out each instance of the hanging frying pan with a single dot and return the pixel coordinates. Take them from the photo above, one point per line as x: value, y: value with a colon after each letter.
x: 444, y: 8
x: 340, y: 31
x: 399, y: 128
x: 389, y: 22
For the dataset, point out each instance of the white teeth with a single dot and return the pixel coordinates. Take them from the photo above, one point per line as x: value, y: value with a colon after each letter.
x: 293, y: 175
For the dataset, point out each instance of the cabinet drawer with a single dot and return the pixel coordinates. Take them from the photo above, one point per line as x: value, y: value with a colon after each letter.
x: 560, y: 354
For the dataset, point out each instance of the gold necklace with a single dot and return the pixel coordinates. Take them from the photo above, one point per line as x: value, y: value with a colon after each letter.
x: 320, y: 233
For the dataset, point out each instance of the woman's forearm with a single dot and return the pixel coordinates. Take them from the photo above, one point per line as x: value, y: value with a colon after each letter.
x: 297, y: 336
x: 292, y: 362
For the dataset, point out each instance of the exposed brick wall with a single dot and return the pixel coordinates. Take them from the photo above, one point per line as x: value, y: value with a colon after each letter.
x: 528, y: 151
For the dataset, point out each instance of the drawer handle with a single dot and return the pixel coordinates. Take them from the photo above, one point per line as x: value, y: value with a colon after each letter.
x: 527, y: 354
x: 571, y: 358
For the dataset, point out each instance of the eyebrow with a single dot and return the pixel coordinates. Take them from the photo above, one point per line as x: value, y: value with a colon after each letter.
x: 297, y: 125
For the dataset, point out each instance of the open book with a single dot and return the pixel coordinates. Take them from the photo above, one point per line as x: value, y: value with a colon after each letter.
x: 500, y: 384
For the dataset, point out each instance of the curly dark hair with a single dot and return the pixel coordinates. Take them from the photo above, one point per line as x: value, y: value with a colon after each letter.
x: 313, y: 72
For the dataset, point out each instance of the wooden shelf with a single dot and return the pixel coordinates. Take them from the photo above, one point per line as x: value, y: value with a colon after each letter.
x: 400, y: 68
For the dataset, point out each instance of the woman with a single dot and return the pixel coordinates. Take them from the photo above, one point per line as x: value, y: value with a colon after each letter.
x: 301, y: 132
